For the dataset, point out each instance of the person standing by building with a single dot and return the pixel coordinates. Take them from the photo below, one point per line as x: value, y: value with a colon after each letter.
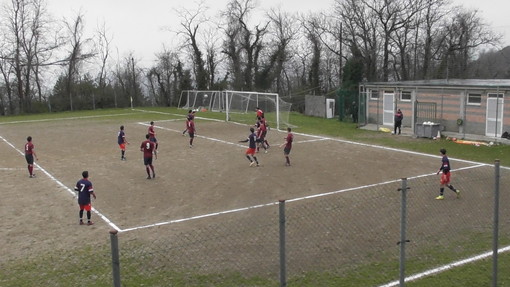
x: 85, y: 190
x: 29, y: 156
x: 399, y: 116
x: 121, y: 139
x: 287, y: 146
x: 252, y: 146
x: 191, y: 130
x: 354, y: 112
x: 148, y: 147
x: 152, y: 138
x: 445, y: 176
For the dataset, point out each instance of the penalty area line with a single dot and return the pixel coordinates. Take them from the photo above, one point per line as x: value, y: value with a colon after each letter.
x: 275, y: 203
x: 198, y: 217
x: 59, y: 183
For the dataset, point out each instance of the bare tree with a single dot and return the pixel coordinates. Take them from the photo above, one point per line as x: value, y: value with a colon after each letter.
x: 191, y: 21
x: 360, y: 33
x: 103, y: 42
x: 76, y: 54
x: 283, y: 30
x: 243, y: 46
x: 466, y: 32
x: 163, y: 78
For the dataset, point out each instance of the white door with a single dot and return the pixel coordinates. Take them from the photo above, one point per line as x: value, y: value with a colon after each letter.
x: 494, y: 121
x: 388, y: 108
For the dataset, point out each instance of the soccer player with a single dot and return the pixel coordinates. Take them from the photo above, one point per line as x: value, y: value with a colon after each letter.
x: 191, y: 131
x: 260, y: 113
x: 148, y: 147
x: 29, y: 156
x: 445, y: 177
x: 261, y: 134
x: 121, y: 139
x: 252, y: 139
x: 152, y: 138
x: 85, y: 190
x: 288, y: 146
x: 191, y: 115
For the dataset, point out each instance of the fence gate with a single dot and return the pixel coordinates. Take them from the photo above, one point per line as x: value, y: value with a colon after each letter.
x: 425, y: 112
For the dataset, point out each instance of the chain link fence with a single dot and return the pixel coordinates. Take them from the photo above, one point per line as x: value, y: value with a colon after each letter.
x: 374, y: 235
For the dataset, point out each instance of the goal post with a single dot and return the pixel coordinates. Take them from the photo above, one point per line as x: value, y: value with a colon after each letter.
x: 198, y: 100
x: 239, y: 106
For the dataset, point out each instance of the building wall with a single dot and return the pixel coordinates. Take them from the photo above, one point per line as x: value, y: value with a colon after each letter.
x: 451, y: 105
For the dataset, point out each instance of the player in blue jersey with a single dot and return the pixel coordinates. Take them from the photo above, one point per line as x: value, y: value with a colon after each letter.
x: 252, y: 147
x: 85, y: 190
x: 121, y: 140
x: 445, y: 177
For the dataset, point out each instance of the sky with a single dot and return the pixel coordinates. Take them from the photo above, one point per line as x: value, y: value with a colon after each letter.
x: 143, y: 27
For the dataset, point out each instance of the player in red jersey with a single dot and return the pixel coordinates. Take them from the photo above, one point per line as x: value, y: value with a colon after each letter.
x: 260, y: 113
x: 152, y: 138
x: 85, y: 190
x: 261, y: 134
x: 29, y: 156
x: 288, y: 146
x: 250, y: 151
x: 191, y: 115
x: 148, y: 147
x: 191, y: 131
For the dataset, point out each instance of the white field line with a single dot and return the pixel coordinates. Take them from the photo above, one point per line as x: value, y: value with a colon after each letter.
x: 199, y: 136
x: 63, y: 119
x: 12, y: 168
x: 58, y: 182
x: 446, y: 267
x: 275, y: 203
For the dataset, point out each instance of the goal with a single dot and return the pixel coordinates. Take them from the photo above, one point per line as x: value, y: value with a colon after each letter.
x: 239, y: 106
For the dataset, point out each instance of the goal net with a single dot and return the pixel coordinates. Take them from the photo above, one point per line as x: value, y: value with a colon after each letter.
x: 239, y: 106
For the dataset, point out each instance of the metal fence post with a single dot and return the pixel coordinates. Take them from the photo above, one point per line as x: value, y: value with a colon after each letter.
x: 283, y: 266
x: 114, y: 242
x: 403, y: 240
x: 496, y: 226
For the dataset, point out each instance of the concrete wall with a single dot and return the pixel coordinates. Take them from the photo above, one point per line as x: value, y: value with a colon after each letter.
x: 315, y: 106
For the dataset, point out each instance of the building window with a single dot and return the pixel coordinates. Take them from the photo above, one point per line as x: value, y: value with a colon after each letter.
x: 374, y: 94
x: 474, y: 99
x: 495, y: 95
x: 405, y: 96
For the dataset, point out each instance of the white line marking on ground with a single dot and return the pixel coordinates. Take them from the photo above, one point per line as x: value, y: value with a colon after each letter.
x: 275, y: 203
x: 61, y: 119
x: 58, y: 182
x: 198, y: 136
x: 199, y: 216
x: 446, y: 267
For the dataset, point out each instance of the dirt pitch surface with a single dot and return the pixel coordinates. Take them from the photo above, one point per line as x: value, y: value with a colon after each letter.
x: 213, y: 176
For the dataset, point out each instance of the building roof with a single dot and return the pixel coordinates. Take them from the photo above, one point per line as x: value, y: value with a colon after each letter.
x: 503, y: 84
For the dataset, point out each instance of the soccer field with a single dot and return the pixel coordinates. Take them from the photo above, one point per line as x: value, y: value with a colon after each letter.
x: 351, y: 187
